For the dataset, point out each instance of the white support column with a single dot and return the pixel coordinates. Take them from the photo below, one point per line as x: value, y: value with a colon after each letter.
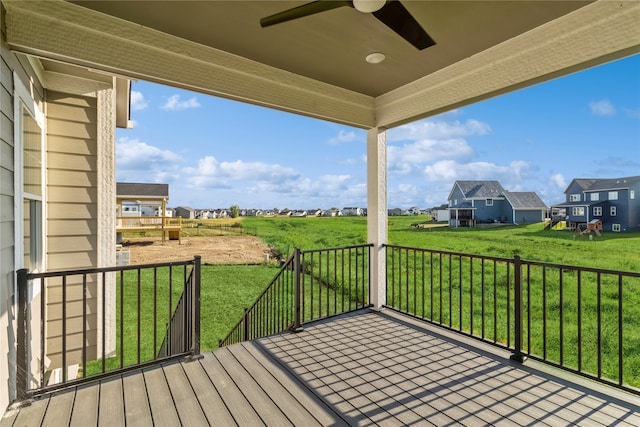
x: 377, y: 224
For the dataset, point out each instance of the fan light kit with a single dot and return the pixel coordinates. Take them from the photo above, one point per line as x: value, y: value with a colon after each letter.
x: 368, y: 6
x: 375, y: 58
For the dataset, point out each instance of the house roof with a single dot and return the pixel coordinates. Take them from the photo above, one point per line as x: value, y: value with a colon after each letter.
x: 603, y: 184
x: 138, y: 190
x: 316, y: 65
x: 480, y: 189
x: 525, y: 200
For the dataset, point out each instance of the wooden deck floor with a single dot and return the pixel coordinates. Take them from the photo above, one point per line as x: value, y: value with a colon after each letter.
x: 363, y: 369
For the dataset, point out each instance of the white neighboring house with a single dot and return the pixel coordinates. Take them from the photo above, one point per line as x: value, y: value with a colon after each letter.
x: 352, y: 211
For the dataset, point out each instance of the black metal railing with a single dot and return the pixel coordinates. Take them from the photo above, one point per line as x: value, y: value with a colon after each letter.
x: 580, y: 319
x: 81, y: 325
x: 311, y: 285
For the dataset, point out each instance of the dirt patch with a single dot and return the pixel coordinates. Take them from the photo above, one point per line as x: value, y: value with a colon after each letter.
x: 213, y: 250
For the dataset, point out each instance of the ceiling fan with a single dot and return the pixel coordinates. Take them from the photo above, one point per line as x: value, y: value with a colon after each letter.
x: 390, y: 12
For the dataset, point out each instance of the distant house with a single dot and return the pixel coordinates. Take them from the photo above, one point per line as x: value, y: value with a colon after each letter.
x: 314, y: 212
x: 477, y: 202
x: 351, y: 211
x: 394, y: 211
x: 299, y: 213
x: 332, y: 212
x: 185, y: 212
x: 614, y: 201
x: 440, y: 213
x: 141, y: 199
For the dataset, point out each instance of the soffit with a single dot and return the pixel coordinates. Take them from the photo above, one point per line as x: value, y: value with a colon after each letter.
x: 331, y: 46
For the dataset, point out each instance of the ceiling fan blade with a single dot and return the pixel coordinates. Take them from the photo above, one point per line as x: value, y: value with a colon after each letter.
x: 302, y: 11
x: 395, y: 16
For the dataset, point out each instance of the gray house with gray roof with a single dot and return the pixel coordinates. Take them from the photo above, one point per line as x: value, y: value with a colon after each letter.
x: 483, y: 202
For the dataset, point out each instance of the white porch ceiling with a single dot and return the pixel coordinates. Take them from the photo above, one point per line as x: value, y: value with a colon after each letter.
x: 315, y: 65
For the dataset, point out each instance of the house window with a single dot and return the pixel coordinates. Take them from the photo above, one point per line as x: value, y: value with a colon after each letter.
x: 489, y: 202
x: 577, y: 211
x: 632, y: 194
x: 595, y: 197
x: 29, y: 160
x: 574, y: 197
x: 613, y: 211
x: 615, y: 227
x: 613, y: 195
x: 597, y: 211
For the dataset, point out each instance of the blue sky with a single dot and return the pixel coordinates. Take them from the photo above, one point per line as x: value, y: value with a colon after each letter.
x: 214, y: 153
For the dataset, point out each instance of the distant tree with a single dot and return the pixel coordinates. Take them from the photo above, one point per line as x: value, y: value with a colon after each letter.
x: 234, y: 211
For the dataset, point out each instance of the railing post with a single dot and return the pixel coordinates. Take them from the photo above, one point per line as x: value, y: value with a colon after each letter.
x: 297, y: 324
x: 517, y: 276
x: 245, y: 325
x: 22, y: 363
x: 196, y: 304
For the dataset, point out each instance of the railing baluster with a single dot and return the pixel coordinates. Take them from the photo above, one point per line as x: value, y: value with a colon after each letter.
x: 544, y: 313
x: 482, y: 284
x: 599, y: 323
x: 561, y: 309
x: 460, y: 309
x: 139, y: 302
x: 104, y: 321
x: 620, y: 329
x: 84, y: 324
x: 122, y: 319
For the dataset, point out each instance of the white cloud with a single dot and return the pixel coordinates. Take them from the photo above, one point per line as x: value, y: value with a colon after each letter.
x: 174, y: 103
x: 133, y: 153
x: 137, y: 101
x: 403, y: 159
x: 137, y: 161
x: 602, y: 108
x: 438, y: 129
x: 558, y: 180
x: 344, y: 136
x: 510, y: 176
x: 210, y: 173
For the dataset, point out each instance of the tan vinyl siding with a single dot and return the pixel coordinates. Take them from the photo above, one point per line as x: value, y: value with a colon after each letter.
x: 7, y: 236
x: 9, y: 63
x: 72, y: 213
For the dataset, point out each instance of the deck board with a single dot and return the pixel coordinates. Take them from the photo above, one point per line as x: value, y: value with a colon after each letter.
x: 212, y: 404
x: 137, y: 412
x: 243, y: 413
x: 262, y: 402
x: 361, y: 369
x: 187, y: 404
x: 87, y: 399
x: 33, y: 414
x: 286, y: 402
x: 161, y: 403
x: 321, y: 412
x: 60, y: 413
x: 111, y: 404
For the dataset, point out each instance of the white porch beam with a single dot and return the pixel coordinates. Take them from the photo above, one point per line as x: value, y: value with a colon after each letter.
x: 377, y: 224
x: 592, y: 35
x: 67, y: 32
